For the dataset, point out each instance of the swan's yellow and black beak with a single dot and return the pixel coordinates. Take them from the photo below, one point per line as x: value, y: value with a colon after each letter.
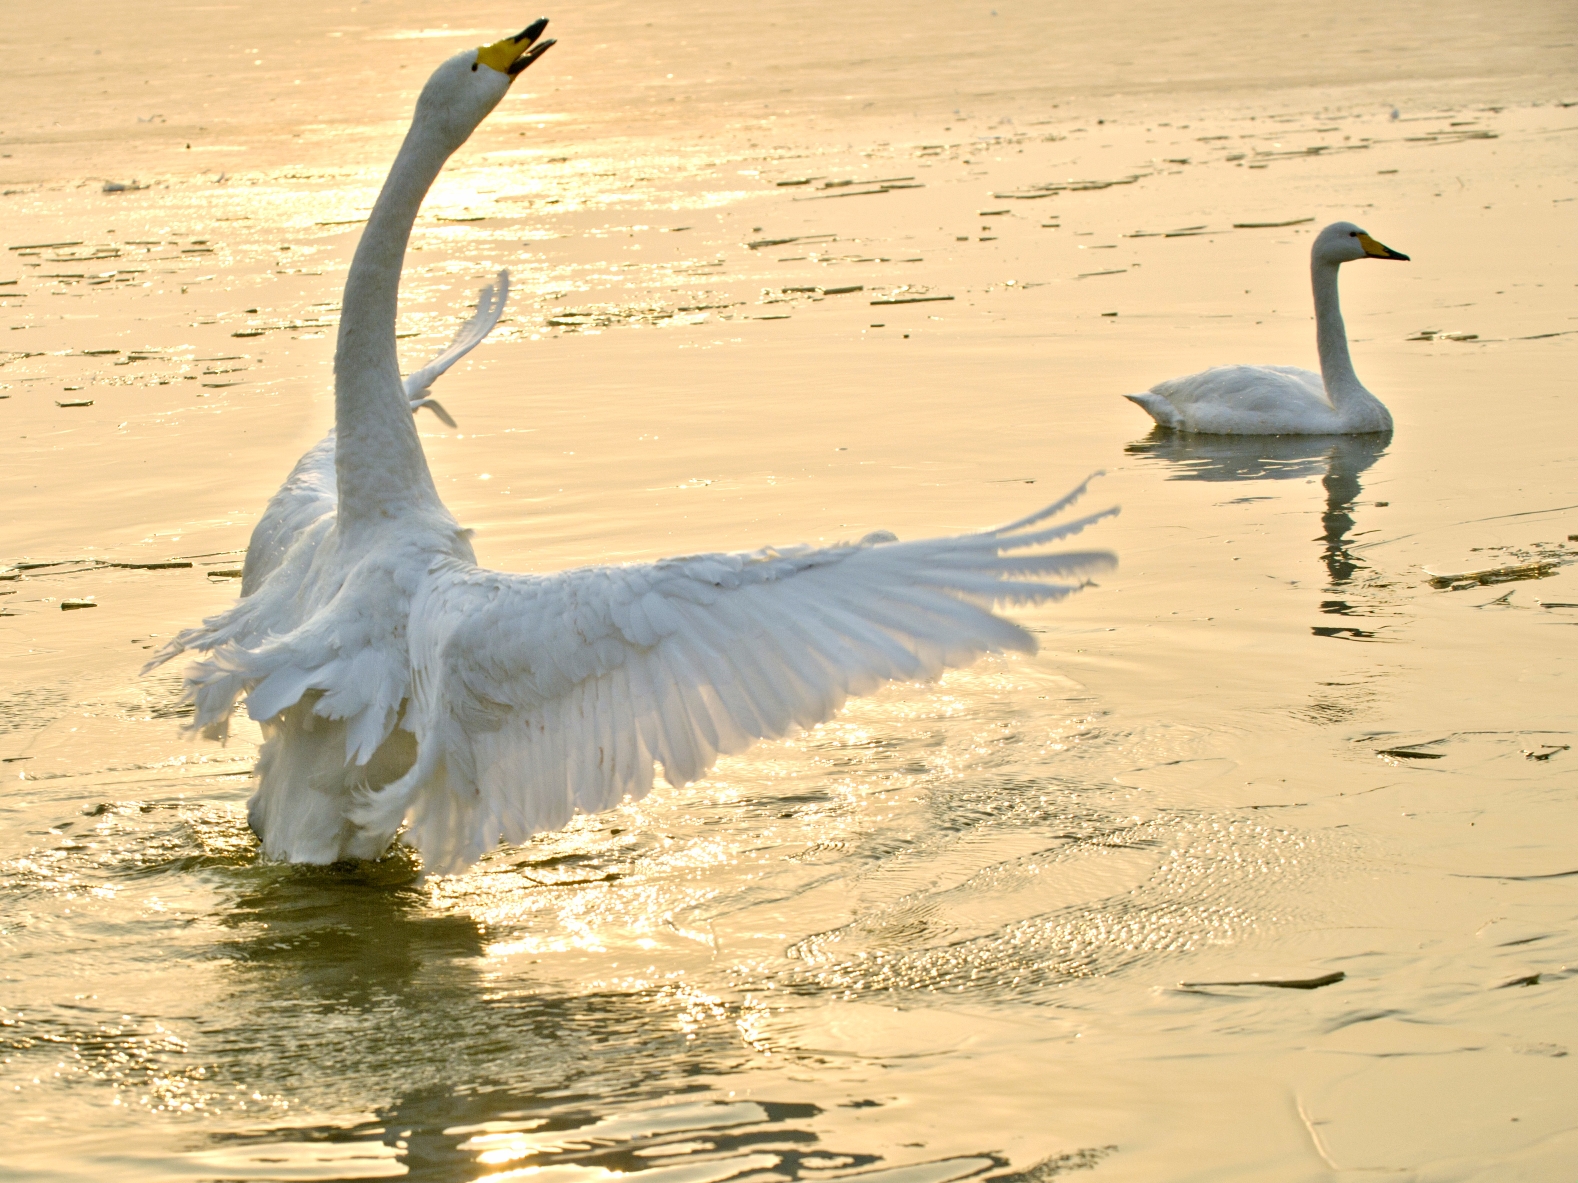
x: 1379, y: 250
x: 514, y: 54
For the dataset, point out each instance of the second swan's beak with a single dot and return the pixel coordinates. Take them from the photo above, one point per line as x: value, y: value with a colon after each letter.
x: 1379, y: 250
x: 513, y: 54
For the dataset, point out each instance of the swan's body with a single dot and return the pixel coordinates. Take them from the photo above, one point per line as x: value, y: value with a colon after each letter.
x: 1284, y: 400
x: 396, y: 681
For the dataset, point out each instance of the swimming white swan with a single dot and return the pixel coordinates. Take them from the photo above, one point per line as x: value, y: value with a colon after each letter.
x: 1285, y: 400
x: 395, y: 680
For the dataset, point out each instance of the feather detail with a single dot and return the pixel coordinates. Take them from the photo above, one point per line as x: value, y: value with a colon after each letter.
x: 678, y: 662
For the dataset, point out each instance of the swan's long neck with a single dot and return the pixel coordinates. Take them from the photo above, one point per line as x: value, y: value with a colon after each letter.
x: 1331, y: 336
x: 378, y: 458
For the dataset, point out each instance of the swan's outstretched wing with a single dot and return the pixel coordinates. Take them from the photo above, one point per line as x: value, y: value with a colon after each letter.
x: 310, y: 491
x: 490, y: 306
x: 535, y: 696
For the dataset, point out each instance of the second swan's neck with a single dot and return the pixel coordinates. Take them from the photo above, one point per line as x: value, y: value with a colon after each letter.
x: 379, y: 463
x: 1331, y: 338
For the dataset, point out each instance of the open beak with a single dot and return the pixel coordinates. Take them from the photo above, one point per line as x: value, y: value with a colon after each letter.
x: 1379, y: 250
x: 513, y: 54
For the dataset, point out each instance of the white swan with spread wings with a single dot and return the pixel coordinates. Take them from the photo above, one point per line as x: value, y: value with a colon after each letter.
x: 397, y: 682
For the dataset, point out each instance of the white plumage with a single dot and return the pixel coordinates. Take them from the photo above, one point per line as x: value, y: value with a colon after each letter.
x: 310, y: 492
x: 396, y: 681
x: 1285, y: 400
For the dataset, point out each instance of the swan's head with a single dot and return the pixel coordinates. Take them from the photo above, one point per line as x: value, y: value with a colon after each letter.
x: 464, y: 89
x: 1343, y: 242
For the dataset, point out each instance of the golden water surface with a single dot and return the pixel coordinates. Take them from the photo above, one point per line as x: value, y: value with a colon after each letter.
x: 1317, y: 728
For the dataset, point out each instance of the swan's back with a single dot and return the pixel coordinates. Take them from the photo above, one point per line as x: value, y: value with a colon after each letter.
x: 309, y: 492
x: 1242, y: 400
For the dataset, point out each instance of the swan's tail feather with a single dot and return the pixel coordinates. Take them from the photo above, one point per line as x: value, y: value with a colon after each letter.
x: 1157, y: 407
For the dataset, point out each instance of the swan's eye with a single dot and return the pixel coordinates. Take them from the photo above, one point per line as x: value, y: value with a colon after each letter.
x: 1351, y: 233
x: 473, y: 67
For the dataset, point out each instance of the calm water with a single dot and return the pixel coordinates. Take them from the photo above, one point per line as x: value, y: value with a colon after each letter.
x: 993, y: 928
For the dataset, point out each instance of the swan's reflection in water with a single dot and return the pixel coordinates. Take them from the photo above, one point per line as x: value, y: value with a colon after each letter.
x: 478, y: 1067
x: 484, y: 1071
x: 1337, y: 459
x: 351, y: 938
x: 447, y: 1136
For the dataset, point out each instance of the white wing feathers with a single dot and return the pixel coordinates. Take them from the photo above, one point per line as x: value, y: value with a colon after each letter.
x: 309, y: 493
x: 535, y: 696
x: 490, y: 306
